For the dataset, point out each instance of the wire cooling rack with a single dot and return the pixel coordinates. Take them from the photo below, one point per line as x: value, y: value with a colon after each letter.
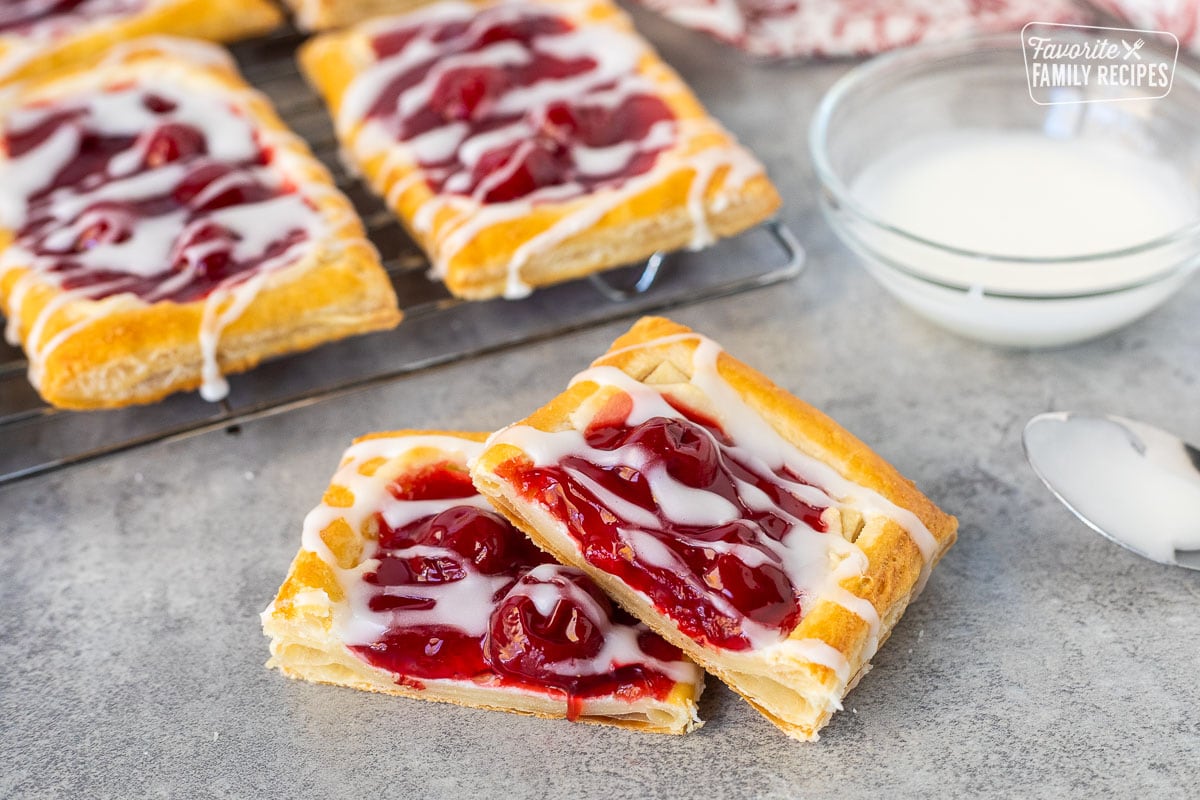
x: 437, y: 329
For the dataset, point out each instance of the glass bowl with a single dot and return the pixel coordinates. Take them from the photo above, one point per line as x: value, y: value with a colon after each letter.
x: 979, y: 84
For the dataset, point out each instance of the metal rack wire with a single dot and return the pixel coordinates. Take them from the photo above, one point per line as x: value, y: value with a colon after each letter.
x: 438, y: 329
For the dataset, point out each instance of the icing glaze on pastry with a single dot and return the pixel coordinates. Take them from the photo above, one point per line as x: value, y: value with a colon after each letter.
x: 720, y: 522
x: 146, y: 193
x: 514, y: 105
x: 41, y: 19
x: 446, y: 589
x: 513, y: 102
x: 29, y: 26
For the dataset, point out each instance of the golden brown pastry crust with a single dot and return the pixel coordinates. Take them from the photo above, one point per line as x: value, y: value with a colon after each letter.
x: 218, y: 20
x: 134, y: 352
x: 656, y: 219
x: 320, y: 15
x: 797, y: 695
x: 299, y: 623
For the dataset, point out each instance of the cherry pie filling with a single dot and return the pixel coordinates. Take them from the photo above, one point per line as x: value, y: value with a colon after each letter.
x: 491, y: 78
x: 80, y: 226
x: 546, y: 622
x: 731, y: 573
x: 25, y: 17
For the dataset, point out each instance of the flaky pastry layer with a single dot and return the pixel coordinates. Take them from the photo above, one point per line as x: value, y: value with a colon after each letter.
x: 125, y: 351
x: 796, y: 693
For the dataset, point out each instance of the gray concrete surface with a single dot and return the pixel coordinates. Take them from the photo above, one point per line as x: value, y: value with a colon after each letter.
x: 1042, y: 661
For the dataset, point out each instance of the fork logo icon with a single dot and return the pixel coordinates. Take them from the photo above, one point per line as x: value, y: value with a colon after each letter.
x: 1132, y: 49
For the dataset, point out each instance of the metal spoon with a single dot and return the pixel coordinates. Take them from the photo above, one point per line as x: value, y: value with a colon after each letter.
x: 1133, y: 483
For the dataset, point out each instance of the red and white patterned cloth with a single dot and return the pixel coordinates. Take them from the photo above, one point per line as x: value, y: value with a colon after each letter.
x: 808, y: 28
x: 1180, y: 17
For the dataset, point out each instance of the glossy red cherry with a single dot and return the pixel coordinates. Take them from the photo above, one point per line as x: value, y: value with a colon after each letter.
x: 439, y: 482
x: 560, y: 121
x: 651, y: 643
x: 631, y: 120
x: 541, y: 166
x: 112, y: 222
x: 172, y: 142
x: 393, y: 602
x: 206, y: 251
x: 604, y: 126
x: 464, y: 93
x: 418, y: 570
x: 428, y: 651
x: 523, y: 30
x: 762, y: 592
x: 687, y: 450
x: 159, y: 104
x: 482, y: 538
x: 524, y: 642
x: 201, y: 191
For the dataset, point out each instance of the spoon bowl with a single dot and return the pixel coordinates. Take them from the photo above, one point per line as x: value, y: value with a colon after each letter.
x: 1135, y: 484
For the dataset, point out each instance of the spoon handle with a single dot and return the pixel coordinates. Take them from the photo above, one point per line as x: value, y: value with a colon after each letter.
x: 1193, y: 455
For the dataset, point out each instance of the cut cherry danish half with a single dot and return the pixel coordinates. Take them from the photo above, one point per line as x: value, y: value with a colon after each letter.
x: 409, y: 583
x: 743, y: 525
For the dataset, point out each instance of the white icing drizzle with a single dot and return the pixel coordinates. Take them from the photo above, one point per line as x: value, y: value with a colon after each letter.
x: 195, y: 51
x: 154, y: 243
x: 221, y: 307
x: 38, y: 20
x: 744, y: 425
x: 819, y: 652
x: 43, y: 28
x: 36, y: 350
x: 816, y: 563
x: 466, y: 605
x: 16, y: 296
x: 354, y: 623
x: 22, y: 177
x: 460, y: 218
